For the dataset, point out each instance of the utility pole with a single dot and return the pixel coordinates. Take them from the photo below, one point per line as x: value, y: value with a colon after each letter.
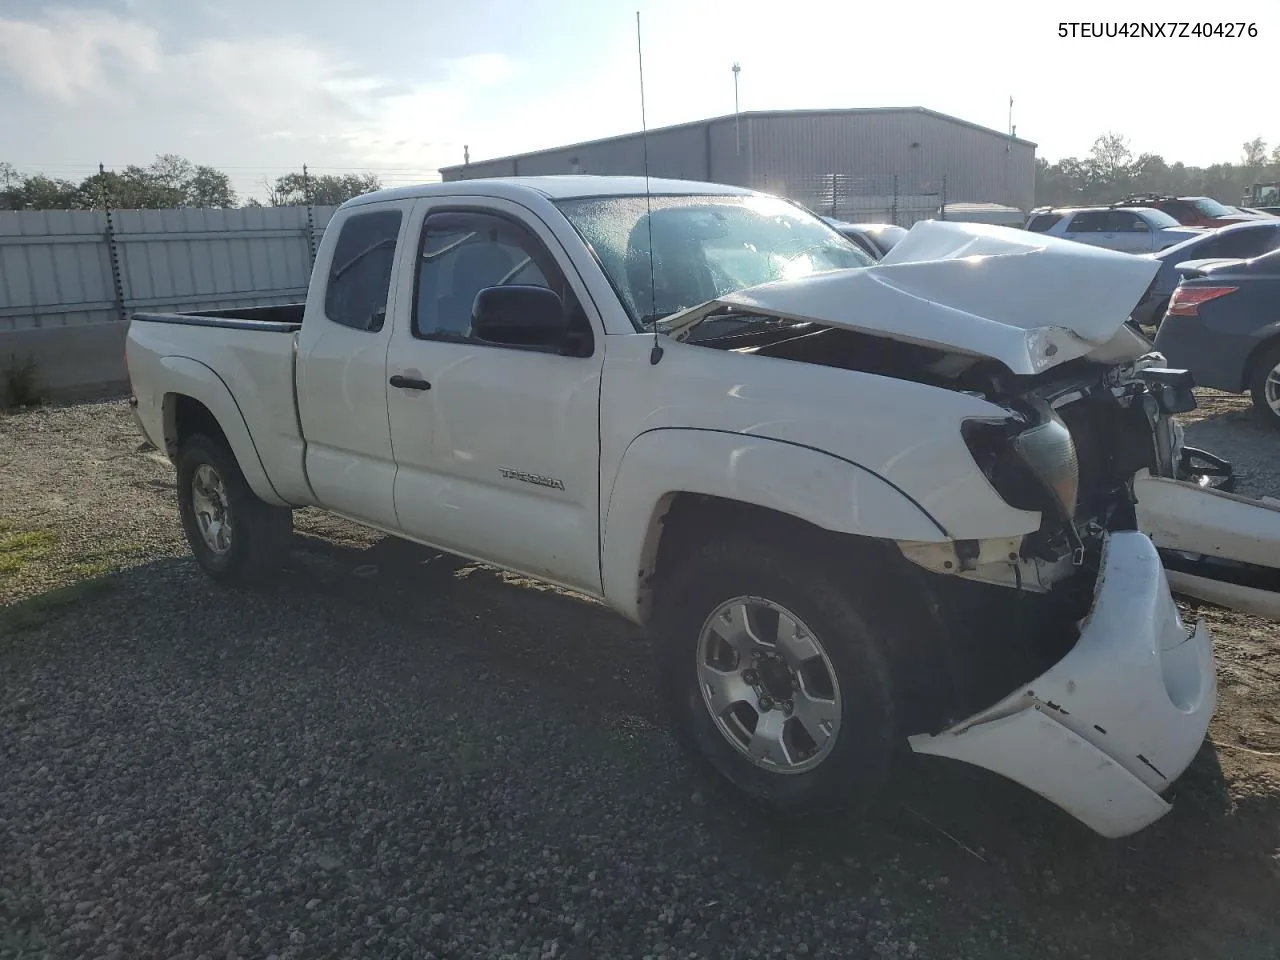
x: 736, y: 131
x: 1011, y: 115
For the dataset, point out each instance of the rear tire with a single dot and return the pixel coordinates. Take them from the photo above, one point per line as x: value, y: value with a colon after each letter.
x: 235, y: 536
x: 1264, y: 384
x: 836, y: 735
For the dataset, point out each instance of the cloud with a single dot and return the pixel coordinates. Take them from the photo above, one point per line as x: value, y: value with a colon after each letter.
x: 67, y: 57
x: 244, y: 100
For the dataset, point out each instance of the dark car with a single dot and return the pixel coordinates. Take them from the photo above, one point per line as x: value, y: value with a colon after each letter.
x: 1223, y: 324
x: 1240, y: 241
x: 1191, y: 211
x: 877, y: 239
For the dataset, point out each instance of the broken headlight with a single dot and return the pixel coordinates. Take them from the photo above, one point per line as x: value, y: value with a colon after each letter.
x: 1032, y: 467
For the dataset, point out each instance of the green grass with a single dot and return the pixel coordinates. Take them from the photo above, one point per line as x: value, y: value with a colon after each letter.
x: 31, y: 555
x: 18, y: 549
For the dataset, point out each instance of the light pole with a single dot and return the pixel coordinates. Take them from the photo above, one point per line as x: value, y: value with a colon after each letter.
x: 736, y: 131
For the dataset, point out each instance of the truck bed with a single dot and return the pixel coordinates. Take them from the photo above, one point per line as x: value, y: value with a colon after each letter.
x: 276, y: 318
x: 246, y: 380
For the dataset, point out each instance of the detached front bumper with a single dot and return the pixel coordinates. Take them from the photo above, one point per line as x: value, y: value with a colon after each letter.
x: 1118, y: 719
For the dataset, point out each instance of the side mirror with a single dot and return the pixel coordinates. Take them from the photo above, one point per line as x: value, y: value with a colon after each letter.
x: 520, y: 315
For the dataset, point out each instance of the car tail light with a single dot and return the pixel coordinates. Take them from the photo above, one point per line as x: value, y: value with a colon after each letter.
x: 1186, y: 301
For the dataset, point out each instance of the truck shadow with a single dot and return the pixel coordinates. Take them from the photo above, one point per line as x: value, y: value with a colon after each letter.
x: 955, y: 833
x: 581, y: 653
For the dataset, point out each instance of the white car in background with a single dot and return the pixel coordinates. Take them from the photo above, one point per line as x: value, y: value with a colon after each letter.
x: 1127, y: 229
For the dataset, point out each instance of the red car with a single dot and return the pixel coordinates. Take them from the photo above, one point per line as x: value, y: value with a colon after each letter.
x: 1191, y: 211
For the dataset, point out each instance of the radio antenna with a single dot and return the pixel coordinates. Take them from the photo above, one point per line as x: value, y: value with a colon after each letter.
x: 655, y: 354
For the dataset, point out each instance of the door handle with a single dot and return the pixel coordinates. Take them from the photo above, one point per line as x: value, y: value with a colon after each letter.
x: 409, y: 383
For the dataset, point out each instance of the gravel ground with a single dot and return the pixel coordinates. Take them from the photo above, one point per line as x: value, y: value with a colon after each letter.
x: 386, y: 756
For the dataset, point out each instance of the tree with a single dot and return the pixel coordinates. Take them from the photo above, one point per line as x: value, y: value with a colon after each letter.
x: 169, y: 181
x: 210, y: 188
x: 1110, y: 171
x: 35, y: 192
x: 1255, y: 153
x: 10, y: 181
x: 295, y: 189
x: 1109, y: 165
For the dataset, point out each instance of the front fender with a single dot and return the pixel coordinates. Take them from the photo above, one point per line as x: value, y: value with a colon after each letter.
x: 799, y: 481
x: 183, y: 376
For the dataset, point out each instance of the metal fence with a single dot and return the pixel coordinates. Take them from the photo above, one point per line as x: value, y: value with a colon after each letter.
x: 865, y: 199
x: 70, y: 279
x: 62, y: 268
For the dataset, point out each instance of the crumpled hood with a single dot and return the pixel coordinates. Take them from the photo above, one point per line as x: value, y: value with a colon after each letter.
x: 1025, y: 299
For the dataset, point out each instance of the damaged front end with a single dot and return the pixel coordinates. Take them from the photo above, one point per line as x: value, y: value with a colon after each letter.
x: 1095, y: 694
x: 1104, y: 730
x: 1052, y: 653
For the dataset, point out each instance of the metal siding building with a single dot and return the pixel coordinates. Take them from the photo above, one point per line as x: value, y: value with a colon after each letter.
x: 895, y: 164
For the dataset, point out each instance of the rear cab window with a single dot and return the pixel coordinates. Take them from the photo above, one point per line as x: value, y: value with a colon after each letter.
x: 359, y: 279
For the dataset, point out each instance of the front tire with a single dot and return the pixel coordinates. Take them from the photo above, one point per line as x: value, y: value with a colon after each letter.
x: 235, y: 536
x: 1264, y: 385
x: 777, y: 678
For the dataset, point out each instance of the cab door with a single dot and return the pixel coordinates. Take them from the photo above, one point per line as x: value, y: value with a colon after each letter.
x: 497, y: 445
x: 1130, y: 233
x: 342, y: 363
x: 1089, y: 226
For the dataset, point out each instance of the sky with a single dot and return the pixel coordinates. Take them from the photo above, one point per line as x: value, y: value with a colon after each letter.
x: 396, y: 87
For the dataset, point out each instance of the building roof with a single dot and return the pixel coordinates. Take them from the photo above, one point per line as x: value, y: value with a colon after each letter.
x: 556, y: 187
x: 763, y: 114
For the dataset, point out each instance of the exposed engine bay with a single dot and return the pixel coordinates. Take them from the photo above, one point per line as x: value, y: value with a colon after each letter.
x: 1075, y: 437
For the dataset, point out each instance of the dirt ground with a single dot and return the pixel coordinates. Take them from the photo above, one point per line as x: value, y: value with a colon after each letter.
x: 958, y: 864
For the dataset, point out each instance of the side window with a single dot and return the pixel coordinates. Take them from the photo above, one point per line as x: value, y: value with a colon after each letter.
x: 1178, y: 210
x: 1043, y: 222
x: 1242, y: 243
x: 360, y: 273
x: 1090, y: 221
x: 463, y: 252
x: 1122, y: 221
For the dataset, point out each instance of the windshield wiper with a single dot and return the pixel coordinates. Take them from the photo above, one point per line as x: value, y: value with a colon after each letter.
x: 718, y: 326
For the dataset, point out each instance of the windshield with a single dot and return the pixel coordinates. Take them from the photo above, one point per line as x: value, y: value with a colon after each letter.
x: 704, y: 247
x: 1159, y: 219
x: 1211, y: 208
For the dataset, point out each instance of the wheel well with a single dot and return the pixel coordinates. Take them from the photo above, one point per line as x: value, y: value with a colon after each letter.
x: 185, y: 417
x: 691, y: 520
x: 1255, y: 355
x: 925, y: 661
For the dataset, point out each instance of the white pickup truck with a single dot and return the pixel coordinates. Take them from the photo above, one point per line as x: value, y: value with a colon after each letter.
x: 927, y: 501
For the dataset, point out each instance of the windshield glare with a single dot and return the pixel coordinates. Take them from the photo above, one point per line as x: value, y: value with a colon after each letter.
x: 1211, y: 208
x: 704, y: 247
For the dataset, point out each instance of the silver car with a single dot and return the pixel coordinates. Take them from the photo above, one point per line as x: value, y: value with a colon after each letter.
x: 1128, y: 229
